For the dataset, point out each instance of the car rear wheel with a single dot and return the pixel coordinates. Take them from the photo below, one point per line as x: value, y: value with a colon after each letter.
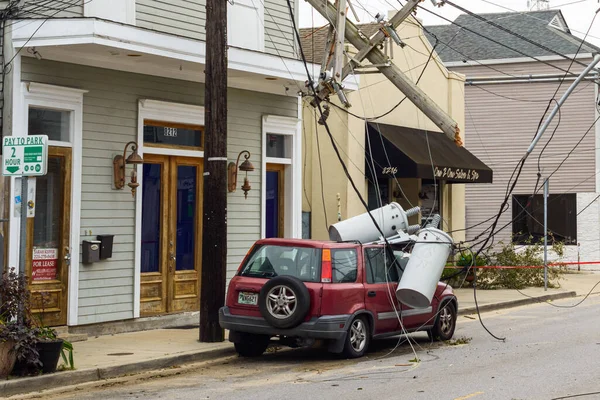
x: 445, y: 323
x: 357, y: 338
x: 284, y: 302
x: 252, y: 345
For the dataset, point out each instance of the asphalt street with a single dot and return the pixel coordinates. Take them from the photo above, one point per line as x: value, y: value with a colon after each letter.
x: 549, y: 353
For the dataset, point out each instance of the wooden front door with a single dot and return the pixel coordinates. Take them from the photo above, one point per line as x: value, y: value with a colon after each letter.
x: 171, y: 234
x: 275, y: 212
x: 48, y: 248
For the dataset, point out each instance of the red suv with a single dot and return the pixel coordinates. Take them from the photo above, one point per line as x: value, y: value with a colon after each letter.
x: 344, y: 293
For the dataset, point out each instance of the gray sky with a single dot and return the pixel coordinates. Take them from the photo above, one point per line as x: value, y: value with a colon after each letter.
x: 579, y: 14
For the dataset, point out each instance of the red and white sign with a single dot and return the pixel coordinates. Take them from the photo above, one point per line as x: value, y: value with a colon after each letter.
x: 44, y: 265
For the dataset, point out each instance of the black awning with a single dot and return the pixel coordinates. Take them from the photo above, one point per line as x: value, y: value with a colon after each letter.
x: 403, y: 152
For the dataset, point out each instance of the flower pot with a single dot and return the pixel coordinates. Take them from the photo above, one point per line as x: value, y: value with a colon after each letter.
x: 7, y: 358
x: 49, y: 354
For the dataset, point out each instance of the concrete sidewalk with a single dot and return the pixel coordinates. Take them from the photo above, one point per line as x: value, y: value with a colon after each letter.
x: 573, y: 284
x: 116, y: 355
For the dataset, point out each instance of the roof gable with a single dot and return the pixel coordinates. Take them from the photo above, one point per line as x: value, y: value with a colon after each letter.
x: 545, y: 27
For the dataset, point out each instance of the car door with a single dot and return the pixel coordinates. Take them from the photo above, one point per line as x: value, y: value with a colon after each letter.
x: 412, y: 318
x: 380, y: 288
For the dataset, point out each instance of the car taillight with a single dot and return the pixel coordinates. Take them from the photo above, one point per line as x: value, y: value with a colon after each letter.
x: 326, y: 266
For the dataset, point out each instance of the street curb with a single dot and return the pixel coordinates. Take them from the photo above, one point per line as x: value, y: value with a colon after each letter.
x: 516, y: 303
x: 70, y: 378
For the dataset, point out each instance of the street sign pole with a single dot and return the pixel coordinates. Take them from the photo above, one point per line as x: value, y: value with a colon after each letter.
x: 546, y: 190
x: 23, y: 240
x: 22, y: 157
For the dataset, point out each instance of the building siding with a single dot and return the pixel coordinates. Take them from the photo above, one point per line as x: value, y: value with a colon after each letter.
x: 178, y: 17
x: 499, y: 130
x: 110, y: 111
x: 188, y: 18
x: 279, y: 30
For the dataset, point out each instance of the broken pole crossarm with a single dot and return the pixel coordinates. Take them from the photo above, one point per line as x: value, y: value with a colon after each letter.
x: 338, y: 63
x: 395, y: 75
x: 328, y: 51
x: 564, y: 97
x: 396, y: 20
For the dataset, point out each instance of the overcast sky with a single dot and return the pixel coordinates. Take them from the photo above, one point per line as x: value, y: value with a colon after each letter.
x: 579, y: 14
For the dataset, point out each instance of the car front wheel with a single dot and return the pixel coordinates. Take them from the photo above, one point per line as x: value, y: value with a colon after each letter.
x: 252, y: 345
x: 357, y: 338
x: 445, y: 323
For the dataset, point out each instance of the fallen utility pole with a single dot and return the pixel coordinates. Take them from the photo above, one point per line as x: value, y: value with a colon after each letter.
x: 368, y: 49
x: 214, y: 241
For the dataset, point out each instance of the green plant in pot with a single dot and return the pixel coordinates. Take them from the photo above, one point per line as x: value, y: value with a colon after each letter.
x: 35, y: 347
x: 49, y: 346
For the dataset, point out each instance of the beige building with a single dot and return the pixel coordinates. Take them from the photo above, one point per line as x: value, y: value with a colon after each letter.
x: 402, y: 154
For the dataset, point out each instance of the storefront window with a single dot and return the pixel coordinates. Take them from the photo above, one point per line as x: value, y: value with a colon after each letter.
x: 379, y: 196
x: 431, y: 201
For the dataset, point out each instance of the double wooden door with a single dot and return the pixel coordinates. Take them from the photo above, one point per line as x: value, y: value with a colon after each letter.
x: 171, y: 234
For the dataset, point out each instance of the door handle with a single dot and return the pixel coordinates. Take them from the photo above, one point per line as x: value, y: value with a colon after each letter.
x: 371, y: 294
x: 67, y: 256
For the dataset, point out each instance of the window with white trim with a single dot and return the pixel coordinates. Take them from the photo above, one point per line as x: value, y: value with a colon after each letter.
x: 281, y: 177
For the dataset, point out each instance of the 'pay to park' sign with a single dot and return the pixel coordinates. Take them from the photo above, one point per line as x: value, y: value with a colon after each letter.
x: 25, y: 156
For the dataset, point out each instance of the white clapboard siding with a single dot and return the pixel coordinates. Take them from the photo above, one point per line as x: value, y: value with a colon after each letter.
x: 499, y: 130
x: 110, y: 121
x: 279, y: 31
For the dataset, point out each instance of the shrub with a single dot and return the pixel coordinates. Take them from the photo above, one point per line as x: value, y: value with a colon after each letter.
x: 509, y: 255
x: 520, y: 278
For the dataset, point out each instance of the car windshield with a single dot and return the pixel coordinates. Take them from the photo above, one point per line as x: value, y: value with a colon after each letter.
x: 268, y: 261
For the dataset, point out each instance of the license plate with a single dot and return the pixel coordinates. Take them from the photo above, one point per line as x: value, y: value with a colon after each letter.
x: 248, y: 298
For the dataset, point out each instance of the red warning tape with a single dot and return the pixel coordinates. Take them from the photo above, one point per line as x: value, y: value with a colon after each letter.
x: 562, y: 264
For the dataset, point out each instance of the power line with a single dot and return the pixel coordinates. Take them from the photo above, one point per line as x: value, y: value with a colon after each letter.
x: 494, y: 41
x: 532, y: 16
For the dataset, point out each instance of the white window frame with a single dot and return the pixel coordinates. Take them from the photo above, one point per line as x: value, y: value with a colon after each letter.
x: 168, y: 112
x: 273, y: 124
x: 32, y: 94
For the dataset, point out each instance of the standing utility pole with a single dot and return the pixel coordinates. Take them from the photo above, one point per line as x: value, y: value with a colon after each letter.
x: 214, y: 239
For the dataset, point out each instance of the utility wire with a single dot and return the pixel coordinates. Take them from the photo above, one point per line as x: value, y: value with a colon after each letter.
x: 532, y: 16
x: 73, y: 3
x: 495, y: 41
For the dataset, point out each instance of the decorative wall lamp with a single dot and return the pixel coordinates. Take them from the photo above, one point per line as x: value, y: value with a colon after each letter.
x: 232, y: 171
x: 119, y: 163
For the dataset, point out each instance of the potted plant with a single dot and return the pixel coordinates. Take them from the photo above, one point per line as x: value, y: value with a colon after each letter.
x: 17, y: 338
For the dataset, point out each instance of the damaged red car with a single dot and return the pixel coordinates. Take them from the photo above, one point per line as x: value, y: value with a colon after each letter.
x: 300, y: 291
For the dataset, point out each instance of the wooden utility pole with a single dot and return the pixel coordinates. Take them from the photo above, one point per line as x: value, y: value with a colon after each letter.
x: 368, y: 49
x: 214, y: 227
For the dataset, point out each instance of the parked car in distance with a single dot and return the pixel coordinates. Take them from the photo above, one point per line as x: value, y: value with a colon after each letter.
x: 344, y: 293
